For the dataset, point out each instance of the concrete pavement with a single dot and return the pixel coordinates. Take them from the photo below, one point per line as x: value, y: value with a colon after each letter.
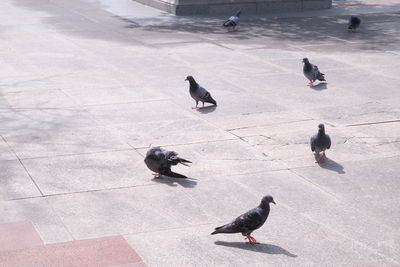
x: 87, y: 86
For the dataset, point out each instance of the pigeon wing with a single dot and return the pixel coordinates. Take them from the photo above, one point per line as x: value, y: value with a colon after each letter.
x: 245, y: 223
x: 328, y: 140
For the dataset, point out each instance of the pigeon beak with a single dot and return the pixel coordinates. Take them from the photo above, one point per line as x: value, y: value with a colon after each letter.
x: 273, y: 202
x: 186, y: 79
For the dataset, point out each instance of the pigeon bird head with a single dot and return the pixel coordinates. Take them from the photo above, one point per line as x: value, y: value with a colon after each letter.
x: 266, y: 200
x: 305, y: 60
x: 321, y: 128
x: 189, y: 78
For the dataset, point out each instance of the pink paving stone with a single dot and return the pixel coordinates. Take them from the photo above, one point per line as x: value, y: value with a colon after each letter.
x: 105, y: 251
x: 18, y: 235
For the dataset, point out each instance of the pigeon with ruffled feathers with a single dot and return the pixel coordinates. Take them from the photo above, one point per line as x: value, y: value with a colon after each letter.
x: 160, y: 160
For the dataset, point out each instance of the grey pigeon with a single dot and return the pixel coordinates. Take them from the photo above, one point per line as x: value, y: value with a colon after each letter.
x: 311, y: 72
x: 354, y: 23
x: 198, y: 93
x: 233, y: 21
x: 248, y: 222
x: 319, y: 143
x: 160, y: 161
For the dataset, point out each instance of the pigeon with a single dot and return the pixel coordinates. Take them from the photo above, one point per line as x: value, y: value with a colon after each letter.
x: 319, y: 143
x: 354, y: 23
x: 311, y: 72
x: 233, y: 21
x: 198, y: 93
x: 248, y: 222
x: 160, y: 161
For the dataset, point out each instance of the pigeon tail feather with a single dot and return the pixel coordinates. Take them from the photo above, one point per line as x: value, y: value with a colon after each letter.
x: 321, y: 77
x: 209, y: 99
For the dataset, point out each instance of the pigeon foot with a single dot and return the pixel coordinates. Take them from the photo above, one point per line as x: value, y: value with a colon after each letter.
x: 196, y: 107
x: 251, y: 239
x: 311, y: 84
x: 157, y: 175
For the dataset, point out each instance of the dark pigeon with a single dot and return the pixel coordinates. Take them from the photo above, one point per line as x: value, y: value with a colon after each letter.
x: 198, y: 93
x: 354, y: 23
x: 160, y: 161
x: 319, y: 143
x: 233, y: 21
x: 311, y: 72
x: 248, y: 222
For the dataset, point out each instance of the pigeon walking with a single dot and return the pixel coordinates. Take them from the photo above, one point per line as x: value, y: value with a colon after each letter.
x: 311, y: 72
x: 248, y: 222
x: 354, y: 23
x: 198, y: 93
x: 160, y: 161
x: 319, y: 143
x: 233, y: 21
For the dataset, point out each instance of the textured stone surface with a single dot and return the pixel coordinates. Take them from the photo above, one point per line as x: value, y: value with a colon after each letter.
x: 80, y: 106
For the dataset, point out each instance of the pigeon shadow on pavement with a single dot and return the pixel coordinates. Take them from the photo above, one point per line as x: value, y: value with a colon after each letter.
x: 332, y: 165
x: 164, y: 180
x: 186, y: 182
x: 207, y: 109
x: 263, y: 248
x: 320, y: 86
x: 170, y: 181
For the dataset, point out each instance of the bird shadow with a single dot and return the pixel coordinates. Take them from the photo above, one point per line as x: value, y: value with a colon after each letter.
x: 170, y: 181
x: 262, y: 248
x: 320, y: 87
x: 207, y: 109
x: 185, y: 182
x: 164, y: 180
x: 332, y: 165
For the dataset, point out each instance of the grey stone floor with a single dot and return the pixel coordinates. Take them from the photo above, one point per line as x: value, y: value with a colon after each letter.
x: 87, y: 86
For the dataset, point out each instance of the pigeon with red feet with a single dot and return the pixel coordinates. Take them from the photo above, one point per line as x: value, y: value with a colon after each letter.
x: 319, y: 143
x: 311, y: 72
x: 248, y: 222
x: 160, y: 160
x: 198, y: 93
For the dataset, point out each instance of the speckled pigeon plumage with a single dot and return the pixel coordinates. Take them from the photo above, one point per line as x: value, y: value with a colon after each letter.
x: 233, y: 21
x: 198, y: 93
x: 311, y: 72
x: 249, y: 221
x: 160, y: 160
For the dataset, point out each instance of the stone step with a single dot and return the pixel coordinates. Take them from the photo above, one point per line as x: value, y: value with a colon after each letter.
x: 19, y: 235
x: 106, y: 251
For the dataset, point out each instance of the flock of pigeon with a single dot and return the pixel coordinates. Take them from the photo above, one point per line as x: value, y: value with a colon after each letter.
x: 160, y: 160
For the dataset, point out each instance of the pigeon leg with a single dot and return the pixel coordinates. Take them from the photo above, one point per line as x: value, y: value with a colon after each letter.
x: 251, y: 239
x: 157, y: 175
x: 323, y: 155
x: 318, y: 158
x: 197, y: 102
x: 311, y: 84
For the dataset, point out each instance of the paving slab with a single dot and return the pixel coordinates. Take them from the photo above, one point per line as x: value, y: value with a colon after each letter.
x: 85, y: 172
x: 80, y: 106
x: 15, y: 181
x: 40, y: 213
x: 19, y: 235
